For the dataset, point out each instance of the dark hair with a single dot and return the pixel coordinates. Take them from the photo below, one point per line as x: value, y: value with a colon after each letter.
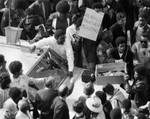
x: 120, y: 40
x: 75, y: 17
x: 115, y: 113
x: 109, y: 89
x: 126, y: 103
x: 15, y: 67
x: 78, y: 106
x: 63, y: 92
x: 29, y: 11
x: 79, y: 22
x: 143, y: 15
x: 62, y: 7
x: 141, y: 70
x: 5, y: 80
x: 102, y: 96
x: 120, y: 15
x: 97, y: 5
x: 14, y: 93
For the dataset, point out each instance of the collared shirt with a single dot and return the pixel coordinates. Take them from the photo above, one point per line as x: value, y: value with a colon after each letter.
x: 65, y: 50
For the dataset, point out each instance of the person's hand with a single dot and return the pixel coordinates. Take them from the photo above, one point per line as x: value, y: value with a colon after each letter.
x: 119, y: 61
x: 70, y: 74
x: 32, y: 48
x: 126, y: 77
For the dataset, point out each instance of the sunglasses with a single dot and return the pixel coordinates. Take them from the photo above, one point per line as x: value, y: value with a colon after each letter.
x: 143, y: 41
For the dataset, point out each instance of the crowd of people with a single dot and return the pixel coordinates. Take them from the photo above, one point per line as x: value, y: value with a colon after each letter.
x: 124, y: 36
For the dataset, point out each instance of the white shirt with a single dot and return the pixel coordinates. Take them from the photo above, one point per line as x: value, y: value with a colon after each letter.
x: 22, y: 82
x: 21, y: 115
x: 65, y: 50
x: 71, y: 32
x: 10, y: 106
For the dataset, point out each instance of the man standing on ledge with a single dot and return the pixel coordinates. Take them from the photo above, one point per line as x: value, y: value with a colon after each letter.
x: 59, y: 45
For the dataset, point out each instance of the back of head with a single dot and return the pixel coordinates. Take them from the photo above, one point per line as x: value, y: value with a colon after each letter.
x: 15, y: 67
x: 79, y: 22
x: 59, y: 33
x: 23, y: 105
x: 126, y: 103
x: 78, y: 106
x: 108, y: 89
x: 88, y: 89
x: 62, y: 7
x: 15, y: 93
x: 115, y: 113
x: 5, y: 80
x: 141, y: 70
x: 102, y: 96
x: 63, y: 91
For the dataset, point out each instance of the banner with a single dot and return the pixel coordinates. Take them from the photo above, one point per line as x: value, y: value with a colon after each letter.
x: 91, y: 24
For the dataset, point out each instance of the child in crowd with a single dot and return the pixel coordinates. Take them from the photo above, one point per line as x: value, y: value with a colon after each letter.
x: 21, y: 80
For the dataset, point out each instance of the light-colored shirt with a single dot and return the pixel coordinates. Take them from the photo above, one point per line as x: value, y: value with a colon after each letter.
x: 23, y: 81
x: 21, y: 115
x: 4, y: 95
x: 11, y: 107
x: 141, y: 54
x: 65, y: 50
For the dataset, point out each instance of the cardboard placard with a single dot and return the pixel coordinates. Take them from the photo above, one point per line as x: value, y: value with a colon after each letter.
x: 91, y: 24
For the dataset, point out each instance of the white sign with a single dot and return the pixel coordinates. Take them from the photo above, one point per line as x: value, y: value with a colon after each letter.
x: 91, y: 24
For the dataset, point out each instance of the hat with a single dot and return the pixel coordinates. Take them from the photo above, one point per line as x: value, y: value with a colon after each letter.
x: 120, y: 40
x: 2, y: 59
x: 58, y: 33
x: 89, y: 88
x: 62, y: 7
x: 126, y: 103
x: 115, y: 113
x: 94, y: 104
x: 141, y: 116
x: 108, y: 88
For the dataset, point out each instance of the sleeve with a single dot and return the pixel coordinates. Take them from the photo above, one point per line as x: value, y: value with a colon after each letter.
x: 70, y: 56
x: 36, y: 80
x: 59, y: 112
x: 44, y: 42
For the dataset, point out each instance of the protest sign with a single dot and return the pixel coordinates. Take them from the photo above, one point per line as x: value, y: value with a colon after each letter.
x: 91, y: 24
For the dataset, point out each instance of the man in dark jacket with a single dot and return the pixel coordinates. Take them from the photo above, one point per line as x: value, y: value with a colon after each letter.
x: 122, y: 54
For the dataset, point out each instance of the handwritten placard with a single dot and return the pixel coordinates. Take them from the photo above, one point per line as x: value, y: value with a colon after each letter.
x: 91, y: 24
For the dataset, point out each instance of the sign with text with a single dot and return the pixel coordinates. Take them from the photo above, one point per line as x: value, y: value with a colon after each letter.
x: 91, y: 24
